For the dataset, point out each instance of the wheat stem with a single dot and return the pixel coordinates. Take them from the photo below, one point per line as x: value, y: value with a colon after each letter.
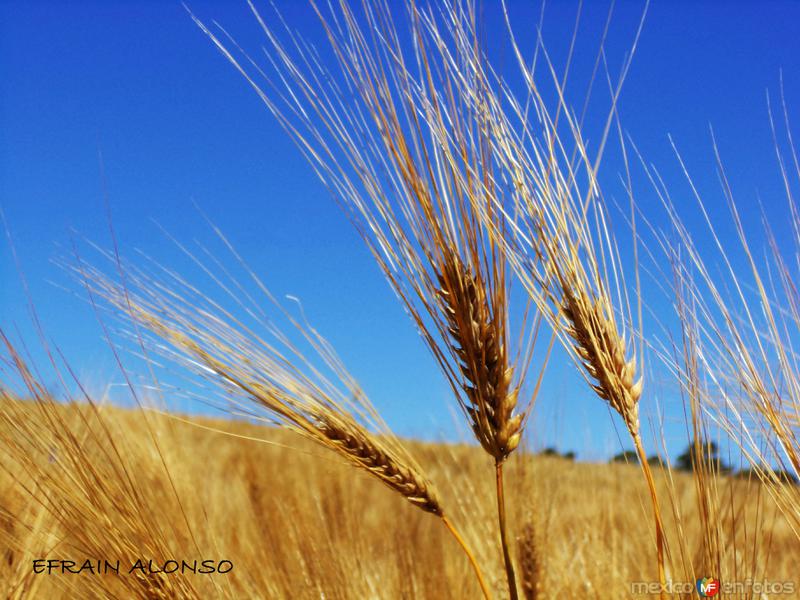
x: 501, y: 520
x: 651, y: 484
x: 470, y: 555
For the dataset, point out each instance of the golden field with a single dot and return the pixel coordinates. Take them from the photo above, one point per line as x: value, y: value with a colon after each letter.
x: 295, y: 522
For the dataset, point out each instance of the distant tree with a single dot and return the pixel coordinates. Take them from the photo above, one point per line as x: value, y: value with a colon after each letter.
x: 555, y: 453
x: 746, y: 473
x: 782, y: 475
x: 786, y: 476
x: 655, y: 460
x: 630, y: 456
x: 626, y: 456
x: 708, y: 454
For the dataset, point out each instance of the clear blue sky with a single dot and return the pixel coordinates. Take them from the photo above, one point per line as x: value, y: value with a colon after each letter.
x: 175, y: 123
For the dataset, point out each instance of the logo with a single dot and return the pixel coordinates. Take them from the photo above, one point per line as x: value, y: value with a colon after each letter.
x: 707, y: 587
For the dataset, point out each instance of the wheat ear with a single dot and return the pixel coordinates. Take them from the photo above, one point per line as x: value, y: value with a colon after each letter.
x: 530, y: 565
x: 602, y: 352
x: 360, y: 448
x: 477, y: 340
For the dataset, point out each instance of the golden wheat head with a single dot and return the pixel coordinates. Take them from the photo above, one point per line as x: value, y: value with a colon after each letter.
x: 478, y: 342
x: 362, y: 449
x: 602, y: 352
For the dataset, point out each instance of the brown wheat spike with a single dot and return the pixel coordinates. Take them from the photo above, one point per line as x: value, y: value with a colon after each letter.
x: 602, y: 352
x: 357, y: 445
x: 477, y: 340
x: 530, y: 566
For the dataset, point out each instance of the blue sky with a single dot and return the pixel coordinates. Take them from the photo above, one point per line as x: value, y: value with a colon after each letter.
x: 138, y: 83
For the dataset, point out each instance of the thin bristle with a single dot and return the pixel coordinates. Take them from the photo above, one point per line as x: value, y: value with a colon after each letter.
x: 86, y: 483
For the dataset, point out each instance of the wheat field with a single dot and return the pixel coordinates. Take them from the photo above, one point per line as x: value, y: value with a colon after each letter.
x: 296, y: 523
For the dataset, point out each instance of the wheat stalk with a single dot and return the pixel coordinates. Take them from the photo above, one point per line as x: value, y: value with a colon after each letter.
x: 601, y: 350
x: 259, y: 373
x: 559, y: 241
x: 477, y: 340
x: 589, y: 329
x: 743, y: 317
x: 476, y: 327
